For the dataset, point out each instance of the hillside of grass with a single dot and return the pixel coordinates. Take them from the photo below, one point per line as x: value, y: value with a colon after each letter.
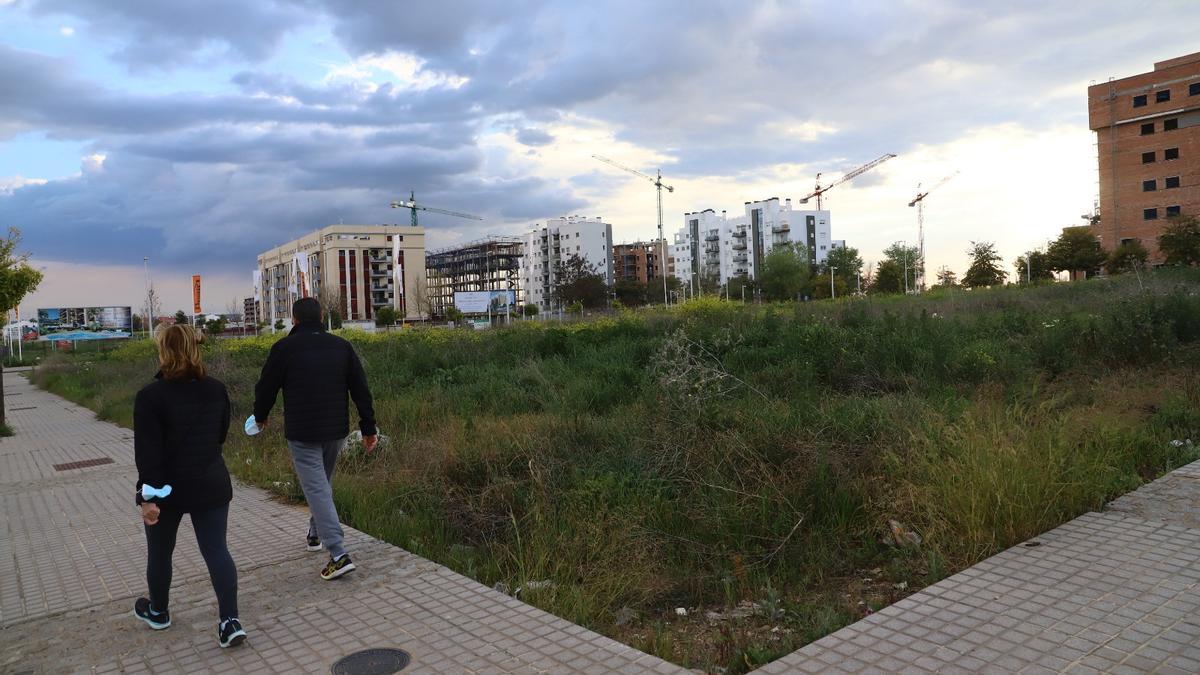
x: 774, y: 471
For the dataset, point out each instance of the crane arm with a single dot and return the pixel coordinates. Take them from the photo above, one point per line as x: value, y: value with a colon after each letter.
x: 657, y: 181
x: 450, y: 213
x: 849, y: 176
x: 922, y: 195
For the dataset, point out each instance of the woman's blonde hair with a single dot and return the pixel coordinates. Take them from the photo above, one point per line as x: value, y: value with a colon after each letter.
x: 179, y: 352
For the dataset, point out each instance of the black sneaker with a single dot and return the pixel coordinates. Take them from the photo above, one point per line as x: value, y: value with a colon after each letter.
x: 230, y: 633
x: 314, y: 543
x: 337, y: 568
x: 156, y: 620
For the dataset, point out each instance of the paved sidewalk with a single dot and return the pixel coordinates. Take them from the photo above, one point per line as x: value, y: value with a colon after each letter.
x: 1112, y: 592
x: 72, y: 559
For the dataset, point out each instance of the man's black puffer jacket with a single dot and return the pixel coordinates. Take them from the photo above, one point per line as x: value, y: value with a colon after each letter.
x: 316, y: 370
x: 178, y: 429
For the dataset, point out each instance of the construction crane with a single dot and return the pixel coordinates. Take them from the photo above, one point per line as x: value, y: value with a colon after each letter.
x: 412, y: 205
x: 919, y: 202
x: 818, y: 191
x: 658, y: 185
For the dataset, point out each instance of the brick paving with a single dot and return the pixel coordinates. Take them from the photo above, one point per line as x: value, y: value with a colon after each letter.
x: 1117, y: 591
x: 72, y: 559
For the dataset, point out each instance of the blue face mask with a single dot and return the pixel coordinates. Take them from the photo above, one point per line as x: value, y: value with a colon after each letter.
x: 151, y: 492
x: 252, y: 427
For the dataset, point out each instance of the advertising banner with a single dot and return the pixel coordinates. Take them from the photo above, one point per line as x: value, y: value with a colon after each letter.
x: 300, y: 281
x: 84, y: 323
x: 480, y: 302
x: 196, y: 294
x: 256, y: 279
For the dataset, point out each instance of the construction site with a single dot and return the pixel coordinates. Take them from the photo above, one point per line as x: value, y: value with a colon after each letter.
x: 491, y: 264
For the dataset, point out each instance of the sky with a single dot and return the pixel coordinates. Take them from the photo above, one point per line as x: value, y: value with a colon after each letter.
x: 196, y: 135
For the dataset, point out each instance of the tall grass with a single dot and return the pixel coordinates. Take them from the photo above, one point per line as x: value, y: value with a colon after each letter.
x: 615, y: 469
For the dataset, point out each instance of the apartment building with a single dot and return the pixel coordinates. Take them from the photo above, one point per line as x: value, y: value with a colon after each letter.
x: 361, y: 267
x: 639, y: 261
x: 557, y: 241
x: 1148, y: 141
x: 720, y: 247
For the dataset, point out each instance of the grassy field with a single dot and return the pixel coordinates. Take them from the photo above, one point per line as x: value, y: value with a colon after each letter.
x: 775, y: 471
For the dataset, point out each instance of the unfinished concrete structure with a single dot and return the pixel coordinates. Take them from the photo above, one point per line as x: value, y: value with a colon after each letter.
x: 492, y: 264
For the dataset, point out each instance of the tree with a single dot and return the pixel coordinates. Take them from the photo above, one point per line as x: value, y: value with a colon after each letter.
x: 984, y: 270
x: 578, y: 282
x: 946, y: 278
x: 1039, y: 268
x: 739, y: 287
x: 453, y: 314
x: 631, y: 292
x: 847, y: 266
x: 17, y: 279
x: 215, y: 326
x: 385, y: 316
x: 152, y: 308
x: 654, y: 291
x: 1076, y: 250
x: 333, y: 305
x: 820, y: 286
x: 1127, y: 257
x: 529, y: 309
x: 420, y: 299
x: 908, y: 261
x: 888, y: 278
x: 181, y: 319
x: 785, y: 272
x: 278, y: 324
x: 1180, y: 241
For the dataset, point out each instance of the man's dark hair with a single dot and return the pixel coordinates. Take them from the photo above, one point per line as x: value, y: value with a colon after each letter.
x: 306, y: 310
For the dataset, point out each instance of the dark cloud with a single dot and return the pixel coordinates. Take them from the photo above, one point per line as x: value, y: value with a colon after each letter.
x: 159, y: 34
x: 534, y: 137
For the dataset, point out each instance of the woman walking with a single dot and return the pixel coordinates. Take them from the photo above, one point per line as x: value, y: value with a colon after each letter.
x: 179, y: 424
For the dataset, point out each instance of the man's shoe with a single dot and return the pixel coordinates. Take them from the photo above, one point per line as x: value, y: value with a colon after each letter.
x: 337, y: 568
x: 314, y: 543
x: 230, y: 633
x: 156, y: 620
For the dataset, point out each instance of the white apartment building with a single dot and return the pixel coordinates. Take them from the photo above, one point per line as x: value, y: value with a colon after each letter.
x: 717, y: 246
x: 558, y: 240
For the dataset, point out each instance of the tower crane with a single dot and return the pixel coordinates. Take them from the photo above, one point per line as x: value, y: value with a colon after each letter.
x: 412, y: 205
x: 919, y: 202
x: 818, y: 191
x: 659, y: 186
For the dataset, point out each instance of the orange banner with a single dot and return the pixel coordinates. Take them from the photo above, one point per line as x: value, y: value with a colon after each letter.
x: 196, y: 293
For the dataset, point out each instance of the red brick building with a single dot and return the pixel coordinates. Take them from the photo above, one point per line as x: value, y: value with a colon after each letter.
x: 1148, y: 136
x: 638, y: 261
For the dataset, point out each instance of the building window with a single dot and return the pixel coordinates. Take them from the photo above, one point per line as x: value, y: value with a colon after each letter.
x: 1171, y: 153
x: 1172, y: 182
x: 1162, y: 96
x: 1172, y: 211
x: 1171, y: 125
x: 1148, y: 157
x: 1147, y: 128
x: 1139, y: 101
x: 1149, y: 185
x: 1150, y: 214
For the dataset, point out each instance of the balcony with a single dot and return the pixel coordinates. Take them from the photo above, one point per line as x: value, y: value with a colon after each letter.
x: 740, y: 234
x: 739, y: 246
x: 782, y: 227
x: 740, y: 258
x: 380, y: 302
x: 376, y: 274
x: 712, y: 237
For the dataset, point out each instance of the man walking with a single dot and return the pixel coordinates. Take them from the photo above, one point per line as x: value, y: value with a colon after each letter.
x: 316, y: 370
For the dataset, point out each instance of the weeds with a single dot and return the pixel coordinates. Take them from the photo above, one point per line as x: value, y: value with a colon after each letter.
x: 720, y: 454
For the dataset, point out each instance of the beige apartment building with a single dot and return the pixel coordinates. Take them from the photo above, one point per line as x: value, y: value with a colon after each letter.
x: 360, y: 267
x: 1148, y: 137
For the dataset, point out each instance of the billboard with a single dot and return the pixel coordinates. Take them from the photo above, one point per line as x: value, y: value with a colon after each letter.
x: 110, y: 319
x: 480, y: 302
x: 196, y: 294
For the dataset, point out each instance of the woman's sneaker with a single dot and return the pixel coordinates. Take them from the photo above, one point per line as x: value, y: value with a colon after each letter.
x: 337, y: 568
x: 230, y: 633
x: 314, y: 543
x: 156, y: 620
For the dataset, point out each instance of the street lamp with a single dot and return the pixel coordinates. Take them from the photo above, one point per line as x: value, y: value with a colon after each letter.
x: 832, y: 292
x: 146, y: 264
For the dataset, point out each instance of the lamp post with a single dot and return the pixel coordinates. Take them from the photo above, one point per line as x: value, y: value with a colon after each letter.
x: 904, y: 247
x: 832, y: 292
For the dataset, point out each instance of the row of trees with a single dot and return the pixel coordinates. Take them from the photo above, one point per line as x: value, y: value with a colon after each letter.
x: 1077, y: 250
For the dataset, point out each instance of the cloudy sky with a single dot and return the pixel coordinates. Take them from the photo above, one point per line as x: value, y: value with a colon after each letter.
x: 201, y: 133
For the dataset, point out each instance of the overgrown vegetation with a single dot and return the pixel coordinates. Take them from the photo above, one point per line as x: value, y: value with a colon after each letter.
x: 775, y: 471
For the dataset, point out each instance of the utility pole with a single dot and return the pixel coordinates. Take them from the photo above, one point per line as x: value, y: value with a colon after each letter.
x: 904, y: 247
x: 832, y: 292
x: 146, y: 264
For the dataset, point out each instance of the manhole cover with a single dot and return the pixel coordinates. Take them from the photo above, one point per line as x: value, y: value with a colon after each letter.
x: 371, y: 662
